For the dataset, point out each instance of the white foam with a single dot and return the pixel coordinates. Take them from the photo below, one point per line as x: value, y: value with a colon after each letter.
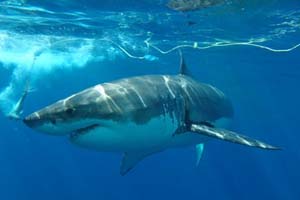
x: 38, y: 56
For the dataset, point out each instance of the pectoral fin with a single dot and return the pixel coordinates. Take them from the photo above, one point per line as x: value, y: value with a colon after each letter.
x: 199, y: 152
x: 230, y: 136
x: 130, y: 160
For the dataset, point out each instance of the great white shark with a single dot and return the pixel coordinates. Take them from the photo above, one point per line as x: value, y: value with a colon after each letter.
x: 142, y: 115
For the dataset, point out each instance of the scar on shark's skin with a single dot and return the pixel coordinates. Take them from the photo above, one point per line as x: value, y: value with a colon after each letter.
x: 143, y: 115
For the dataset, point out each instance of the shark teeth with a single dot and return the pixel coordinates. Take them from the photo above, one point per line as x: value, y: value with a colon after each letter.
x: 84, y: 130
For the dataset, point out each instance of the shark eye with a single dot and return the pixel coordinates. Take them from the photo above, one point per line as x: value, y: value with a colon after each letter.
x: 53, y: 121
x: 70, y: 111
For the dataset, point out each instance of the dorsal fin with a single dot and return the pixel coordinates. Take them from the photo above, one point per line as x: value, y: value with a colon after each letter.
x: 183, y: 70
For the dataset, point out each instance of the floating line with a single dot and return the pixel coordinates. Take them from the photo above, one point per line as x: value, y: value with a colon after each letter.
x: 124, y: 50
x: 195, y: 46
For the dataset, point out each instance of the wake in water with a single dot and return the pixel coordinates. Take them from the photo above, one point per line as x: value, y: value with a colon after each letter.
x: 33, y: 56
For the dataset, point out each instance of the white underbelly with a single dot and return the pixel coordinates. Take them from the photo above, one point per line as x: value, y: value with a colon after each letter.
x: 187, y: 139
x: 120, y: 136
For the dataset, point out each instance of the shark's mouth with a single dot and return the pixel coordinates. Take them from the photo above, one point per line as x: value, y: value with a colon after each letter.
x: 82, y: 131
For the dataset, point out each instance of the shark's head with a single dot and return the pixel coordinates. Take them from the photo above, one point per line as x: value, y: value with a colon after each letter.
x: 55, y: 119
x: 74, y: 113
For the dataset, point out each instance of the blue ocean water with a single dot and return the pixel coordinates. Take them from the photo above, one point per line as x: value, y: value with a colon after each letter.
x: 242, y: 47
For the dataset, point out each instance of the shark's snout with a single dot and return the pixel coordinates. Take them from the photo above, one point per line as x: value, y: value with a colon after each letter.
x: 46, y: 124
x: 57, y: 119
x: 32, y: 120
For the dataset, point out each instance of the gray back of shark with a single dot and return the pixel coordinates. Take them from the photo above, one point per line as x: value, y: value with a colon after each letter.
x: 141, y: 116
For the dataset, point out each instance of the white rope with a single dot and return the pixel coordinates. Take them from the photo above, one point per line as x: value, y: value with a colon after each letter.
x: 124, y: 50
x: 195, y: 46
